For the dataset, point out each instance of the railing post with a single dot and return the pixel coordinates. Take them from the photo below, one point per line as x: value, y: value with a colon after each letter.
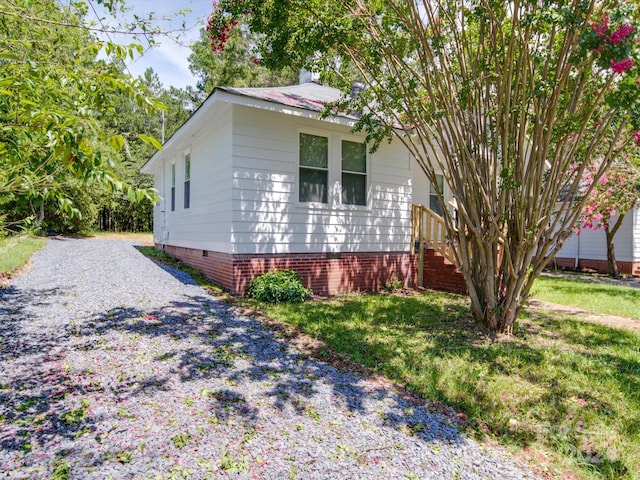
x: 414, y: 228
x: 428, y: 233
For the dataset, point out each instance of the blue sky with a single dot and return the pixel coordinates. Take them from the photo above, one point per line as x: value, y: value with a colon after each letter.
x: 168, y: 58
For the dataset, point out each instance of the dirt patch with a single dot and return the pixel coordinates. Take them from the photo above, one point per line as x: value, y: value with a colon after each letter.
x: 5, y: 277
x: 145, y: 239
x: 608, y: 320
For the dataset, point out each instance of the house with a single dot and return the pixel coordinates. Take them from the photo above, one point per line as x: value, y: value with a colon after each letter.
x: 589, y: 249
x: 256, y: 180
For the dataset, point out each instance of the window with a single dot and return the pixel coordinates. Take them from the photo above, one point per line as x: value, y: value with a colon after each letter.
x: 433, y: 195
x: 314, y: 168
x: 173, y: 187
x: 187, y: 180
x: 354, y: 173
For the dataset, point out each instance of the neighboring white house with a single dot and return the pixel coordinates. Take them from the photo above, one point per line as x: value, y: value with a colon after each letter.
x: 589, y: 249
x: 255, y: 180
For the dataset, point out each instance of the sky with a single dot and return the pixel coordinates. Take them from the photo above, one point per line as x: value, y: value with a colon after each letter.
x: 168, y: 58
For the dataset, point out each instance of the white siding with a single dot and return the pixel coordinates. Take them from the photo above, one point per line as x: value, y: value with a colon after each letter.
x: 421, y: 186
x: 636, y: 234
x: 571, y: 247
x: 206, y: 224
x: 267, y: 217
x: 592, y: 244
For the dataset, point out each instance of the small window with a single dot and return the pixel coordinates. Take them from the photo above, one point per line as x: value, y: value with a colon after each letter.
x: 354, y: 173
x: 173, y: 187
x: 433, y: 195
x: 314, y: 168
x: 187, y: 180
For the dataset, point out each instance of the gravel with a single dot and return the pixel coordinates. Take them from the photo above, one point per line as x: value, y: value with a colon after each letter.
x: 114, y: 367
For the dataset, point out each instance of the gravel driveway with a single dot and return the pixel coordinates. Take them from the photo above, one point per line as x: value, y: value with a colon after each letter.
x: 113, y: 367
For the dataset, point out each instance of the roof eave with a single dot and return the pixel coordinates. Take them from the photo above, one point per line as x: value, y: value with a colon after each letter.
x: 222, y: 94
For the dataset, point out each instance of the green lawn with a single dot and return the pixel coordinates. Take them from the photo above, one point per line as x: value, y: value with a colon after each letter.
x: 567, y: 389
x: 15, y: 252
x: 594, y: 297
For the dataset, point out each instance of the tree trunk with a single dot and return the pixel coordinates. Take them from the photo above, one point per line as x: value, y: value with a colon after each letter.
x: 39, y: 215
x: 611, y: 251
x: 611, y: 256
x: 500, y: 318
x: 496, y: 279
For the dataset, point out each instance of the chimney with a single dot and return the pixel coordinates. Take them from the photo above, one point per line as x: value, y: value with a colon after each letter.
x: 308, y: 77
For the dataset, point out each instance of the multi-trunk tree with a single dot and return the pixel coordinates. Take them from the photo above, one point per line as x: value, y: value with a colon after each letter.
x: 510, y: 100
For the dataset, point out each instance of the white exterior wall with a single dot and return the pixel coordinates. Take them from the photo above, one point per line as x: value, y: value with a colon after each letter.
x: 267, y: 217
x: 592, y: 244
x: 206, y: 224
x: 421, y: 186
x: 635, y: 240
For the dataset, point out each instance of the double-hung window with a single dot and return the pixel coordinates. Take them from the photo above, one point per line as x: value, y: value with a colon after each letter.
x: 314, y: 168
x: 354, y: 173
x: 187, y: 180
x: 433, y: 194
x: 173, y: 187
x: 332, y: 170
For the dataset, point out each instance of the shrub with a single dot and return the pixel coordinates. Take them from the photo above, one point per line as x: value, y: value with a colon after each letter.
x: 393, y: 285
x: 279, y: 286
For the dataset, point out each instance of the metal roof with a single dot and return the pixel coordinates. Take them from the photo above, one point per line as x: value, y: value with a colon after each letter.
x: 308, y: 96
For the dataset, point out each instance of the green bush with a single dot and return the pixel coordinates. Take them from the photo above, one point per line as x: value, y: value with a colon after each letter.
x: 279, y: 286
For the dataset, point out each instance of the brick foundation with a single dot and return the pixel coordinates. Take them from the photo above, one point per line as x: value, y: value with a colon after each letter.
x: 602, y: 266
x: 326, y: 274
x: 216, y: 266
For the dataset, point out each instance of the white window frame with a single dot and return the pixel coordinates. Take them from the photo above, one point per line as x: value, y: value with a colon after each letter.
x: 433, y: 195
x: 172, y: 185
x: 316, y: 133
x: 186, y: 192
x: 366, y: 174
x: 334, y: 174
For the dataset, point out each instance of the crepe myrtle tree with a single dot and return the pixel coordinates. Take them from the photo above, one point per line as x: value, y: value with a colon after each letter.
x: 502, y: 97
x: 612, y: 197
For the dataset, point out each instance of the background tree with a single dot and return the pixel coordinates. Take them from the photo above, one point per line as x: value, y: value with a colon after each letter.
x: 116, y: 212
x: 55, y: 96
x: 615, y: 194
x: 235, y: 65
x: 504, y: 98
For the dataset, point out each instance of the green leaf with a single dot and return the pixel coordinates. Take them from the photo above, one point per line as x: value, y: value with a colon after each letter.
x: 150, y: 141
x: 117, y: 142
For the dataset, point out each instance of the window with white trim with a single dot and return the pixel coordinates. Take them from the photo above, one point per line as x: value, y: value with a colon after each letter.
x: 314, y: 168
x: 173, y: 187
x: 187, y: 180
x: 354, y: 173
x: 433, y: 194
x: 333, y: 170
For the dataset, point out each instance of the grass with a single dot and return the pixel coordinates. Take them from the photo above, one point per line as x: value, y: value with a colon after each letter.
x: 565, y: 389
x: 594, y: 297
x: 15, y: 252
